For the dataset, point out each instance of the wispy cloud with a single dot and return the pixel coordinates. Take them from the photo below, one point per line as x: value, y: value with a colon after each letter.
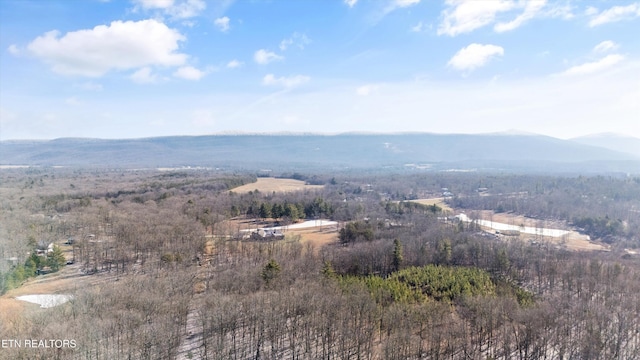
x: 298, y: 40
x: 13, y: 49
x: 189, y: 73
x: 388, y: 7
x: 418, y: 27
x: 532, y: 8
x: 287, y: 82
x: 222, y: 23
x: 595, y: 66
x: 144, y: 76
x: 234, y: 64
x: 474, y: 56
x: 463, y: 16
x: 155, y: 4
x: 178, y: 10
x: 605, y: 46
x: 351, y: 3
x: 264, y: 57
x: 614, y: 14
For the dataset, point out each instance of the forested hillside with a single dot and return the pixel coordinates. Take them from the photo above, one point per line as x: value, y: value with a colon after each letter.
x: 316, y: 152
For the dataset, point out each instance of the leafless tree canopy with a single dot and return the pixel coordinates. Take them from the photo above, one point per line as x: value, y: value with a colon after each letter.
x: 164, y: 270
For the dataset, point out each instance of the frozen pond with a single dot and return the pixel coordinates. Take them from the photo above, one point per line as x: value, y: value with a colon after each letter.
x: 522, y: 229
x: 46, y: 301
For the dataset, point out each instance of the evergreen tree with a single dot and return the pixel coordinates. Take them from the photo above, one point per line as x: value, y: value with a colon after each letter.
x: 55, y: 259
x: 397, y: 255
x: 270, y: 272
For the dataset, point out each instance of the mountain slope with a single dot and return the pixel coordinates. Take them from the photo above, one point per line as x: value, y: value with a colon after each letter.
x: 306, y: 151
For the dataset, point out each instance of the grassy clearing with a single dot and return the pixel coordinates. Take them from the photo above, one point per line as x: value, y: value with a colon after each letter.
x: 316, y: 237
x: 434, y: 201
x: 269, y: 185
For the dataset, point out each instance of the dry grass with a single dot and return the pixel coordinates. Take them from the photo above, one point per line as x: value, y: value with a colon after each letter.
x: 434, y: 201
x: 12, y: 310
x: 64, y: 281
x: 269, y: 185
x: 316, y: 237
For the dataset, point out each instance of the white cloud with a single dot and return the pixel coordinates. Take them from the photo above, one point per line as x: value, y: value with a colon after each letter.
x: 13, y: 50
x: 184, y: 9
x: 144, y: 76
x: 592, y: 67
x: 388, y: 7
x: 462, y: 16
x: 605, y: 46
x: 418, y: 27
x: 406, y: 3
x: 350, y: 3
x: 474, y: 56
x: 297, y: 39
x: 222, y: 23
x: 532, y: 8
x: 118, y: 46
x: 234, y: 64
x: 189, y: 73
x: 616, y: 13
x: 287, y: 82
x: 187, y: 9
x: 154, y: 4
x: 263, y: 57
x: 564, y: 12
x: 591, y: 11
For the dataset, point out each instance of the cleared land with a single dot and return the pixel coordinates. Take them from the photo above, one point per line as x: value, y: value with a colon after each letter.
x: 316, y: 232
x: 66, y: 280
x: 434, y: 201
x: 572, y: 240
x: 269, y: 185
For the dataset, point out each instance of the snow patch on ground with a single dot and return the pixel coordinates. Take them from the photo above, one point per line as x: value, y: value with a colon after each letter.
x: 46, y: 301
x: 523, y: 229
x: 302, y: 225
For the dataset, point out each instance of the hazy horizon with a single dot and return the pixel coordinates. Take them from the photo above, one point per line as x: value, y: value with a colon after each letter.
x: 301, y: 133
x: 150, y: 68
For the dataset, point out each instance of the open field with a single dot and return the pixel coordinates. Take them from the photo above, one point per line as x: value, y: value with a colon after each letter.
x: 572, y: 240
x: 66, y: 280
x: 268, y: 185
x: 316, y: 232
x: 434, y: 201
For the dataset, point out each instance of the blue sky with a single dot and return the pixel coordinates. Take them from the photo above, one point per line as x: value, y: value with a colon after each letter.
x: 141, y: 68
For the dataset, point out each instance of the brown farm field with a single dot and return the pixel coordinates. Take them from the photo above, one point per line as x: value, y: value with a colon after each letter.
x: 269, y: 185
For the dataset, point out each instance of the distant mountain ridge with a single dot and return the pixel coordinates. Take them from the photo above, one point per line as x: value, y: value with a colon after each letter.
x: 611, y: 141
x: 352, y: 150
